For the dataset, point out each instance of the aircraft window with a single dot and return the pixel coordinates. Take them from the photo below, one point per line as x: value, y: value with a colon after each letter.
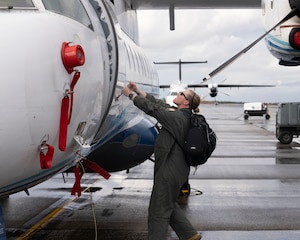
x: 69, y: 8
x: 16, y: 3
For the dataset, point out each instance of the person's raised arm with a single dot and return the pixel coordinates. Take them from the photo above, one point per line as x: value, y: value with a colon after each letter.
x: 132, y: 86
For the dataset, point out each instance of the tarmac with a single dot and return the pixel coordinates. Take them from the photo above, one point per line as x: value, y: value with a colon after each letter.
x: 249, y: 189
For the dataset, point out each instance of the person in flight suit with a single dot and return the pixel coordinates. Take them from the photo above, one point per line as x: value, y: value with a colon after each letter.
x: 170, y: 170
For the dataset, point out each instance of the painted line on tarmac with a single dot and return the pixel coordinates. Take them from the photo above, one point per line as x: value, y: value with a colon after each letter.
x: 47, y: 216
x: 55, y: 210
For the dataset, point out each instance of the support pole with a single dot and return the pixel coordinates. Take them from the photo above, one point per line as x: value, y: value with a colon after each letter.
x: 172, y: 17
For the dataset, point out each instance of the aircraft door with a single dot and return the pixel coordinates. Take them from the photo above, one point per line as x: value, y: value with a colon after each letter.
x: 103, y: 22
x: 107, y: 22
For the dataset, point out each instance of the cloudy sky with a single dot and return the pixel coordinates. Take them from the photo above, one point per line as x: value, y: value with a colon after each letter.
x: 215, y: 36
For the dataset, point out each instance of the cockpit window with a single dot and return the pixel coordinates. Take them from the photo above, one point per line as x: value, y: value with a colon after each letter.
x: 69, y: 8
x: 16, y: 3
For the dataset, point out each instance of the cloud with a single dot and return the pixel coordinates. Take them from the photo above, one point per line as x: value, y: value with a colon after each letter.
x: 215, y: 36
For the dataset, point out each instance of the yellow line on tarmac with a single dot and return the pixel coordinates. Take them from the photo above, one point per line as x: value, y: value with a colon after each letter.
x: 44, y: 221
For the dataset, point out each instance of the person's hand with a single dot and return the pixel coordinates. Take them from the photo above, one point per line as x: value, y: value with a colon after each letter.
x: 126, y: 91
x: 132, y: 86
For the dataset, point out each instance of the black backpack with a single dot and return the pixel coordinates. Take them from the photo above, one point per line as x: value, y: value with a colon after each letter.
x: 200, y: 141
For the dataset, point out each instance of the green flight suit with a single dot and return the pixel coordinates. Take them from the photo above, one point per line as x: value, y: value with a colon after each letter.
x: 170, y: 170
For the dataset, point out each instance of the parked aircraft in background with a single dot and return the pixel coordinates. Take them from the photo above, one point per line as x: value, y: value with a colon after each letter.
x: 63, y: 66
x: 174, y: 89
x: 212, y: 87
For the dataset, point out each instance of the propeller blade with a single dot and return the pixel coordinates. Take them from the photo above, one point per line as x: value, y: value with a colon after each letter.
x: 205, y: 96
x: 291, y: 14
x: 224, y: 93
x: 223, y: 81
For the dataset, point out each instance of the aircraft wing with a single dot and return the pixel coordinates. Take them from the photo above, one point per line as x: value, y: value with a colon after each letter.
x: 197, y: 85
x: 184, y: 4
x: 164, y: 86
x: 189, y: 86
x: 242, y: 85
x: 226, y: 85
x: 221, y: 85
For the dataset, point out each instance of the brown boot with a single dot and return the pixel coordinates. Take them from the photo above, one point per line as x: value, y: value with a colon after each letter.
x: 195, y: 237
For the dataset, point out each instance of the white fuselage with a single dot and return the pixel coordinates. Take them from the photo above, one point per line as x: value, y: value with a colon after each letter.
x: 34, y: 82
